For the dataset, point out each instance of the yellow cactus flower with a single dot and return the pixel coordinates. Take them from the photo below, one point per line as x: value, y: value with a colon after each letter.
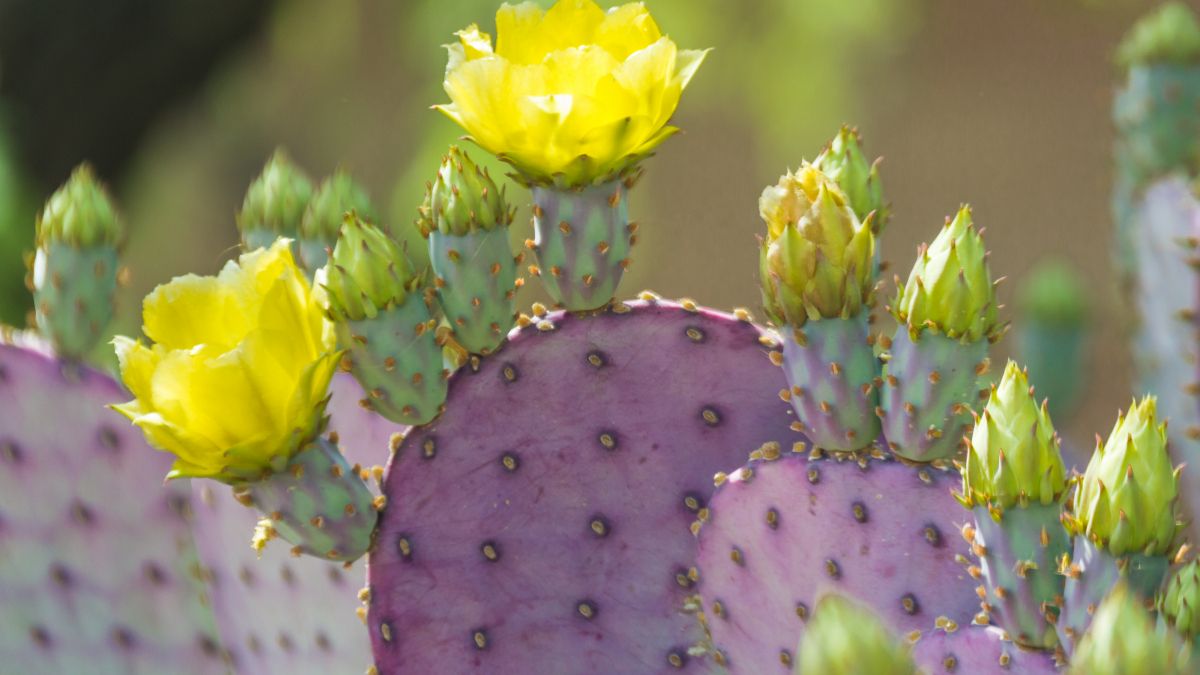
x: 568, y: 96
x: 236, y: 380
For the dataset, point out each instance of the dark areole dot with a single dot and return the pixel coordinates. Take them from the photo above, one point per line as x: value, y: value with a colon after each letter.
x: 323, y: 642
x: 490, y: 550
x: 479, y: 638
x: 932, y: 535
x: 288, y: 576
x: 599, y: 526
x: 587, y: 609
x: 404, y: 547
x: 695, y: 334
x: 429, y: 447
x: 61, y: 576
x: 773, y: 519
x: 814, y: 475
x: 508, y: 373
x: 710, y: 416
x: 597, y: 359
x: 40, y: 636
x: 909, y: 604
x: 608, y: 440
x: 683, y: 579
x: 693, y: 501
x: 510, y: 461
x: 109, y: 440
x: 123, y: 637
x: 10, y: 452
x: 802, y: 611
x: 859, y: 510
x: 833, y: 569
x: 285, y: 641
x: 678, y: 658
x: 82, y: 514
x: 155, y: 574
x: 208, y: 645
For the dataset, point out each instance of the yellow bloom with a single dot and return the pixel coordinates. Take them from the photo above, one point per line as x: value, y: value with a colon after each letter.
x: 571, y: 95
x: 236, y: 381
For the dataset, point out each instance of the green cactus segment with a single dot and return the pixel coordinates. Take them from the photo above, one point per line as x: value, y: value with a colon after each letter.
x: 337, y: 196
x: 274, y: 204
x: 319, y: 504
x: 1018, y: 557
x: 832, y: 377
x: 844, y: 638
x: 1170, y: 34
x: 397, y: 359
x: 74, y: 270
x: 1127, y: 500
x: 1013, y: 457
x: 1053, y: 333
x: 1091, y: 573
x: 844, y: 162
x: 1123, y: 640
x: 463, y: 198
x: 817, y: 258
x: 1179, y: 602
x: 950, y: 290
x: 931, y: 387
x: 582, y: 240
x: 367, y: 274
x: 476, y: 285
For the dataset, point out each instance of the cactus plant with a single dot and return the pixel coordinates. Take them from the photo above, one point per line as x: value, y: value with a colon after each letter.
x: 576, y: 141
x: 1052, y: 335
x: 1124, y: 639
x: 466, y: 218
x: 950, y: 649
x: 1178, y: 603
x: 96, y: 555
x: 543, y: 519
x: 844, y: 638
x: 274, y: 204
x: 318, y: 230
x: 73, y: 273
x: 938, y: 356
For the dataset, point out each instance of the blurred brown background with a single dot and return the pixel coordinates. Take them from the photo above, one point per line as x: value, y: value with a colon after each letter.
x: 1000, y: 103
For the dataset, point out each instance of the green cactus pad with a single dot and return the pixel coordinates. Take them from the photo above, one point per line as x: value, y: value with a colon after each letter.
x: 367, y: 274
x: 817, y: 258
x: 476, y: 285
x: 1123, y: 640
x: 397, y: 359
x: 318, y: 503
x: 844, y: 638
x: 337, y: 196
x: 843, y: 161
x: 582, y: 239
x: 274, y: 204
x: 1170, y: 34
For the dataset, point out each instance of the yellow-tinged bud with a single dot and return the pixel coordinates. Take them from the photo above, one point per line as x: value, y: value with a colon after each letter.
x: 237, y: 378
x: 816, y: 261
x: 845, y: 638
x: 1013, y: 458
x: 1127, y: 499
x: 844, y: 162
x: 950, y: 287
x: 367, y: 273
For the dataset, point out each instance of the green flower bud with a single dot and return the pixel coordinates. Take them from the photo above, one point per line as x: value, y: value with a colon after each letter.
x: 463, y: 198
x: 1013, y: 458
x: 843, y: 161
x: 1123, y: 639
x: 1169, y: 35
x: 275, y: 203
x: 1126, y: 501
x: 80, y: 214
x: 1179, y: 603
x: 950, y: 287
x: 845, y: 638
x: 368, y: 273
x: 816, y: 261
x: 1053, y: 295
x: 337, y: 195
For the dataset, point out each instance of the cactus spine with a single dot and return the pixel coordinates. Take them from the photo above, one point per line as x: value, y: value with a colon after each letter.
x: 938, y: 357
x: 466, y: 219
x: 74, y: 270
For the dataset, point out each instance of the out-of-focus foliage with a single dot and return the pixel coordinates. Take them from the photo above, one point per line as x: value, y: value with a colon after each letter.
x: 17, y: 209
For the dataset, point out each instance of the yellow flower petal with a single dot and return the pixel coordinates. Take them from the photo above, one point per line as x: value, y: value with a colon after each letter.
x: 193, y: 310
x: 626, y: 29
x: 137, y: 363
x: 526, y: 35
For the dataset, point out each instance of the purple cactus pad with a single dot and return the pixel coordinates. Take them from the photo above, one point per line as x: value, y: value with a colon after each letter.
x: 978, y: 650
x: 97, y: 567
x: 782, y: 532
x: 542, y: 523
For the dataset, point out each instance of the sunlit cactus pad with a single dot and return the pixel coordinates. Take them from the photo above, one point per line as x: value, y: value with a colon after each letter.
x: 782, y: 532
x: 542, y: 523
x: 98, y: 573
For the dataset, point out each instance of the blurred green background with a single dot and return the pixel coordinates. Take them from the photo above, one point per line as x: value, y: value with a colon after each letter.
x: 1000, y: 103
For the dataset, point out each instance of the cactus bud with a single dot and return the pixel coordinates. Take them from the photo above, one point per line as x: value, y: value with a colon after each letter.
x: 367, y: 273
x: 950, y: 287
x: 1179, y: 603
x: 74, y: 271
x: 843, y: 161
x: 337, y: 195
x: 1053, y: 295
x: 1124, y: 639
x: 844, y: 638
x: 274, y: 204
x: 1013, y: 458
x: 463, y: 198
x: 1126, y: 501
x: 1169, y: 35
x: 816, y: 261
